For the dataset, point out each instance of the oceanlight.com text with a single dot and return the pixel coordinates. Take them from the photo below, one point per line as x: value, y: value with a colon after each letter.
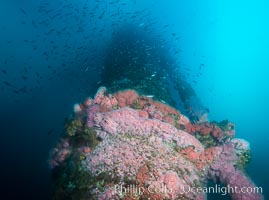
x: 217, y: 189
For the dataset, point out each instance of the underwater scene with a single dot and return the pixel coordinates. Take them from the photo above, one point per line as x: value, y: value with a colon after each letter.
x: 134, y: 99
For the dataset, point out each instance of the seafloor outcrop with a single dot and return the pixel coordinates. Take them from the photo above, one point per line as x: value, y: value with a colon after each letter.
x: 126, y: 146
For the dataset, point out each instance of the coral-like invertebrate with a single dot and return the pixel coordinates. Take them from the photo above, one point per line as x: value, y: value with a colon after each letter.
x: 74, y: 126
x: 223, y: 169
x: 126, y: 98
x: 59, y: 154
x: 128, y: 146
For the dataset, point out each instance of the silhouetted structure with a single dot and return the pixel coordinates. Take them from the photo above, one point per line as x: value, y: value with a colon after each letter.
x: 137, y: 61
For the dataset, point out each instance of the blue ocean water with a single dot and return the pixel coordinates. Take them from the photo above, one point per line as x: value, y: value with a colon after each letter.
x: 52, y: 55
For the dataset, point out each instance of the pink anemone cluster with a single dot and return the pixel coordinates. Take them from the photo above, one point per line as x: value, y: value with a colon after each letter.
x: 59, y: 153
x: 151, y: 144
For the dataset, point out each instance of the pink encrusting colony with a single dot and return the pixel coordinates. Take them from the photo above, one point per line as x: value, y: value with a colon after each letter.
x: 127, y: 121
x: 223, y: 169
x: 153, y: 145
x: 59, y: 153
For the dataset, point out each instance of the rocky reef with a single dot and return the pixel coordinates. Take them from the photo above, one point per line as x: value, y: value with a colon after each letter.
x: 129, y: 146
